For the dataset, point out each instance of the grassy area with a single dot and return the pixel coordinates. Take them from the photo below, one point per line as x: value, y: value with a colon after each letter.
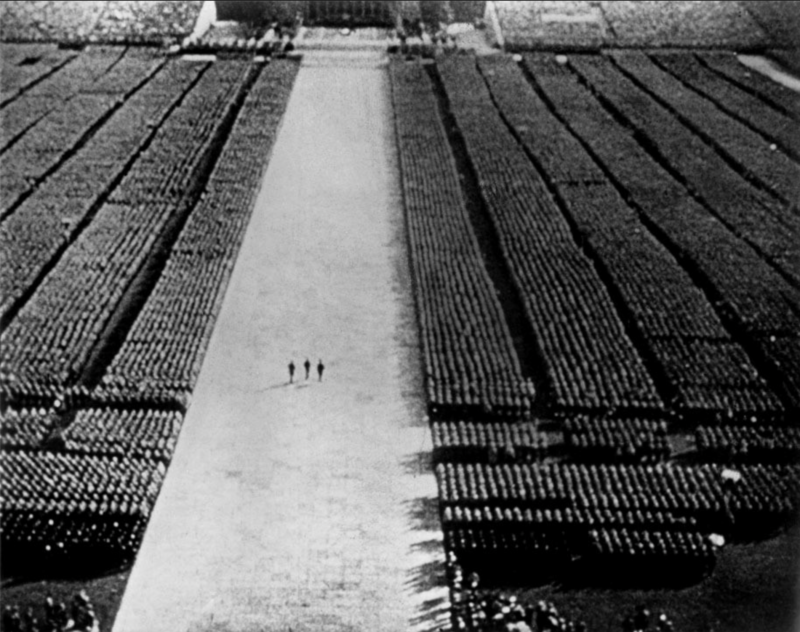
x: 105, y: 593
x: 754, y: 588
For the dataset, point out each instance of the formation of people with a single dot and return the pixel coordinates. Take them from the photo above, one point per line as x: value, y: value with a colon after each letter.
x: 307, y: 367
x: 479, y: 609
x: 79, y: 617
x: 504, y: 613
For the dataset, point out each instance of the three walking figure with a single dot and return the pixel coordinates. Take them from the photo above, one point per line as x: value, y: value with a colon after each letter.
x: 307, y: 367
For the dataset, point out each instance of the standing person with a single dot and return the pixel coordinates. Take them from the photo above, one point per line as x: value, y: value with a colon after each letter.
x: 307, y: 365
x: 320, y: 369
x: 291, y: 371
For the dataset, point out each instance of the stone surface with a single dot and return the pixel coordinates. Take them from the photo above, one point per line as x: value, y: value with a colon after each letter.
x: 311, y: 506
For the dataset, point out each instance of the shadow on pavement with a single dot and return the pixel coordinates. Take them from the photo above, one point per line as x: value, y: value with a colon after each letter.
x: 424, y: 513
x: 433, y: 545
x: 418, y: 463
x: 435, y: 616
x: 427, y: 576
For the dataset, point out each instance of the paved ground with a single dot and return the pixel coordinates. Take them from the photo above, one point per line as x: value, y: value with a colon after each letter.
x: 310, y: 506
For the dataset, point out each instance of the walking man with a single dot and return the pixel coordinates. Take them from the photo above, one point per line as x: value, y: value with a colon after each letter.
x: 291, y: 371
x: 320, y: 369
x: 307, y: 365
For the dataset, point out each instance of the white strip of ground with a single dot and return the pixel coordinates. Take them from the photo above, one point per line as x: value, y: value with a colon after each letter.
x: 767, y: 67
x: 308, y: 507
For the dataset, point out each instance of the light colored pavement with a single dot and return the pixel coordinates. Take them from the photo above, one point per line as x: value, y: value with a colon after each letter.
x: 308, y: 507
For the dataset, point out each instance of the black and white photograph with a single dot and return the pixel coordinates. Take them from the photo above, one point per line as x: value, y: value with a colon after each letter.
x: 400, y: 316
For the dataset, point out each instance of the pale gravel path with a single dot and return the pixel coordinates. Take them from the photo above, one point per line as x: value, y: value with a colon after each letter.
x: 306, y: 508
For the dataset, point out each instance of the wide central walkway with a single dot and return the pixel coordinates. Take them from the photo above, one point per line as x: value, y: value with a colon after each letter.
x: 306, y: 507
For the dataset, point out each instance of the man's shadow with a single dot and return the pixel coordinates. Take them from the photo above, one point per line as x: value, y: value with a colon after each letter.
x: 285, y: 384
